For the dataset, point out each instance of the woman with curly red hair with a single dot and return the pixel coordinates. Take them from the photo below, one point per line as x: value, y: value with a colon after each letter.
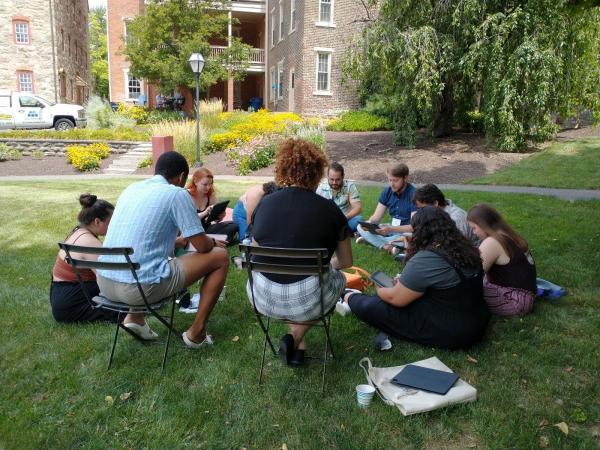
x: 201, y: 188
x: 296, y: 217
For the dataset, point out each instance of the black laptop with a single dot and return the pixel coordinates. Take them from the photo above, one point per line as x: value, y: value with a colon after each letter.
x: 425, y: 379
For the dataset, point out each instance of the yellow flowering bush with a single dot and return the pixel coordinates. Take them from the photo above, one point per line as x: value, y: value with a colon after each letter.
x: 100, y: 149
x: 87, y: 157
x: 137, y: 113
x: 81, y: 158
x: 255, y: 124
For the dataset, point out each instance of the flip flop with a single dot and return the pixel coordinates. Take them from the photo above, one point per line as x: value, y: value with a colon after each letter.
x: 143, y: 331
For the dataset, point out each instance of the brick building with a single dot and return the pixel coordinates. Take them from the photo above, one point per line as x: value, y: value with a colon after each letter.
x: 296, y: 64
x: 44, y: 48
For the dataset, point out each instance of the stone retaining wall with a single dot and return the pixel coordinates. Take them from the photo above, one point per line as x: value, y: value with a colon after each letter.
x: 53, y: 147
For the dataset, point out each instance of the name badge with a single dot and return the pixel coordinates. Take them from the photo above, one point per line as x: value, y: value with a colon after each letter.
x: 396, y: 222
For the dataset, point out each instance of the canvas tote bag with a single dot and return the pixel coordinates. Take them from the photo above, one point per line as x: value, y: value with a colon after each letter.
x: 411, y: 401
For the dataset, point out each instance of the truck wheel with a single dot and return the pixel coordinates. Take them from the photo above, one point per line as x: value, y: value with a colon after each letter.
x: 64, y: 125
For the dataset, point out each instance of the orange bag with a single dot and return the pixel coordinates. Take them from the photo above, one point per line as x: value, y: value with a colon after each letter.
x: 357, y: 278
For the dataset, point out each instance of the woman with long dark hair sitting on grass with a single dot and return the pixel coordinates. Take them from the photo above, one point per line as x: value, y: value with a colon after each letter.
x: 67, y: 299
x: 438, y: 300
x: 509, y: 285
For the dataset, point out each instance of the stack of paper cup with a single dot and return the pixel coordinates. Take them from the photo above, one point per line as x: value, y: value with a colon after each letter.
x: 364, y: 394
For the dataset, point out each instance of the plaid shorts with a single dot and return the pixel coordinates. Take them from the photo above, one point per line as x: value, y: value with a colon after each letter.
x: 297, y: 301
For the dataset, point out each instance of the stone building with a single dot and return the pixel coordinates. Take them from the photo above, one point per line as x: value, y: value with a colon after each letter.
x: 44, y: 48
x: 296, y: 64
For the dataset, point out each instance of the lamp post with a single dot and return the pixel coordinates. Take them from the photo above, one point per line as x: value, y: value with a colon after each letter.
x: 197, y: 64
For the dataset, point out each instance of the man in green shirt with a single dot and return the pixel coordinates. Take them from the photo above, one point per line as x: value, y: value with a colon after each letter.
x: 343, y: 193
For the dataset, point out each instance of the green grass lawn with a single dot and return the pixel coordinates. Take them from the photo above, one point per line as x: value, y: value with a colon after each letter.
x: 531, y: 372
x: 571, y: 164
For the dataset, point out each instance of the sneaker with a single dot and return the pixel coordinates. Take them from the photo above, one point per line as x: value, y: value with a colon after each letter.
x: 193, y: 304
x: 208, y: 340
x: 342, y: 308
x: 382, y: 342
x: 400, y: 257
x: 144, y: 332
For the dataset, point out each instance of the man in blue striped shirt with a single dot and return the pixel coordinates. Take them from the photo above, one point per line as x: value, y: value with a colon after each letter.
x: 148, y: 217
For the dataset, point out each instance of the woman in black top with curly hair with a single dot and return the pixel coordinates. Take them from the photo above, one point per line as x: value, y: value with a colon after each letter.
x: 438, y: 300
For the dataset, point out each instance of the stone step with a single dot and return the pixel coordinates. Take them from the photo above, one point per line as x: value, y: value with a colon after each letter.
x: 124, y: 164
x: 119, y: 171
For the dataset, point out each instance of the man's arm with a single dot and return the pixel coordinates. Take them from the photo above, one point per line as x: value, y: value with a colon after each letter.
x: 204, y: 244
x: 356, y: 209
x: 378, y: 214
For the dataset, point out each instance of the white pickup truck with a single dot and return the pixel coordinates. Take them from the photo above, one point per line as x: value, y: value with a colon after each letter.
x: 26, y: 110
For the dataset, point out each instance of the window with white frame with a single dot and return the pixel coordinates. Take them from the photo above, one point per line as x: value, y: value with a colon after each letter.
x: 325, y: 11
x: 279, y: 80
x: 126, y: 34
x: 323, y: 71
x: 292, y: 15
x: 273, y: 83
x: 280, y: 21
x: 273, y: 28
x: 25, y: 80
x: 133, y: 87
x: 21, y: 32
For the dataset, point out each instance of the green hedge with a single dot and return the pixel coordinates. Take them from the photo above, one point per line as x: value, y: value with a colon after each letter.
x: 117, y: 134
x: 359, y: 121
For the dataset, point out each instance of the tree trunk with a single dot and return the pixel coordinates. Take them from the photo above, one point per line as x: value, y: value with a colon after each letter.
x: 444, y: 117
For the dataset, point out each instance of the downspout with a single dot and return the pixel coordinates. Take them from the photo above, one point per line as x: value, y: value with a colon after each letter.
x: 53, y: 50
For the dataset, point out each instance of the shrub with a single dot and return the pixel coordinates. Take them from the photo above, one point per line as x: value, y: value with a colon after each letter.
x: 116, y: 134
x: 82, y: 158
x: 100, y: 115
x: 309, y: 132
x: 146, y: 162
x: 184, y: 136
x: 474, y: 121
x: 8, y: 153
x: 137, y: 113
x: 156, y: 116
x: 100, y: 149
x: 255, y: 154
x: 359, y: 121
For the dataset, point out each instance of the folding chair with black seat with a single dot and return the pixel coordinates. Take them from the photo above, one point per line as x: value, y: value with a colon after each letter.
x: 314, y: 263
x: 101, y: 302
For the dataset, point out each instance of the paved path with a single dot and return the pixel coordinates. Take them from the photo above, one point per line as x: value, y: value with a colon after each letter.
x: 564, y: 194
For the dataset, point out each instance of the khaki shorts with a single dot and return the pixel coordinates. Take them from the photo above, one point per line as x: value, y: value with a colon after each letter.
x: 129, y: 293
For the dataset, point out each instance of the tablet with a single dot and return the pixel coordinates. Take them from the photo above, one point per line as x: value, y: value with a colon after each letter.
x: 382, y: 279
x: 217, y: 210
x: 425, y: 379
x: 371, y: 227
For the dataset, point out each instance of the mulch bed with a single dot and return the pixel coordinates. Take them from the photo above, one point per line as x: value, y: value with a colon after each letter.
x: 365, y: 156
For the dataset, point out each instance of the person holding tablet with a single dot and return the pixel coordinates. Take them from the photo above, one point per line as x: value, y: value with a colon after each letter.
x: 201, y: 188
x: 510, y: 284
x: 438, y: 299
x: 398, y: 200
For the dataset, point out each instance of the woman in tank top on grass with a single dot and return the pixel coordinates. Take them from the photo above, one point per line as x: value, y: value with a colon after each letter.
x: 67, y: 299
x: 510, y: 275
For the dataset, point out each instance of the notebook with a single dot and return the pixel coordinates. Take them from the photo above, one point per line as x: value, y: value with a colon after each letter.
x: 430, y: 380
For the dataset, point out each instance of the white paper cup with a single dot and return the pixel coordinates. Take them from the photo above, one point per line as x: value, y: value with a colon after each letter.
x: 364, y: 394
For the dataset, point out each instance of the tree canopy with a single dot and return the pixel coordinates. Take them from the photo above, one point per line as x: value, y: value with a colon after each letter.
x: 98, y: 51
x: 514, y: 65
x: 160, y: 41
